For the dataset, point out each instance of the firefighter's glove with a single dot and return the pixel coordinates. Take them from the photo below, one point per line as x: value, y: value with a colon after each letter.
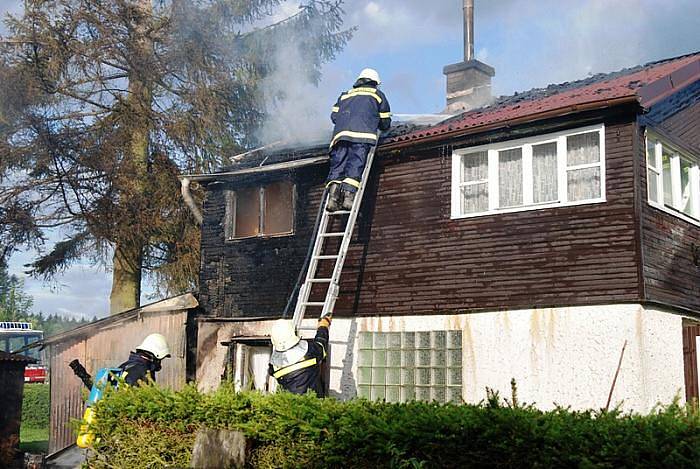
x: 325, y: 321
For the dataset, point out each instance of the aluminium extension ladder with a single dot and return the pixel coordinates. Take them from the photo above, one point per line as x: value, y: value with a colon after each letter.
x: 322, y: 236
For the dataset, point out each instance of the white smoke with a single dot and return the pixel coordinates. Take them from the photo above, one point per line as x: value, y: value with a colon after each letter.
x: 297, y: 112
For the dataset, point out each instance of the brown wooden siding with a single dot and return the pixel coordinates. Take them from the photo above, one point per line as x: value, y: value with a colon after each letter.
x: 409, y: 257
x: 691, y: 330
x: 107, y: 347
x: 671, y: 275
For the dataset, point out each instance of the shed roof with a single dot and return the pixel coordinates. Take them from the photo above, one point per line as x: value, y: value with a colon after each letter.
x: 15, y: 357
x: 177, y: 303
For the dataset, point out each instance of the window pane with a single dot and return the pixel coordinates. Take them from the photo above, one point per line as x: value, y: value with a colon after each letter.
x: 544, y: 173
x: 475, y: 198
x: 686, y: 195
x: 583, y: 149
x: 651, y: 154
x: 583, y: 184
x: 279, y: 210
x: 668, y: 184
x: 653, y: 185
x: 247, y: 212
x: 510, y: 177
x: 475, y: 166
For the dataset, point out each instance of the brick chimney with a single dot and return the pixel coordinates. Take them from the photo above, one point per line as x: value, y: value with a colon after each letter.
x: 468, y: 82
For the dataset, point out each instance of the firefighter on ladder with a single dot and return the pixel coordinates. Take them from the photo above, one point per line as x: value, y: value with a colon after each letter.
x: 357, y: 115
x: 296, y: 363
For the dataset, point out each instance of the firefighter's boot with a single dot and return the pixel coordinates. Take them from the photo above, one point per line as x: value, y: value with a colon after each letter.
x: 335, y: 197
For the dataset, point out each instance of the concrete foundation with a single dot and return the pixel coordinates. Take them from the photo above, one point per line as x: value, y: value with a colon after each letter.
x: 564, y: 356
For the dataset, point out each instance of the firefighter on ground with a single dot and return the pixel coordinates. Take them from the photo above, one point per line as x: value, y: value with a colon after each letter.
x: 296, y: 363
x: 145, y: 361
x: 357, y: 115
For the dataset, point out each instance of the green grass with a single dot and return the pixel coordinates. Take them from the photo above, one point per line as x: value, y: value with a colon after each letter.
x: 34, y: 440
x: 34, y: 432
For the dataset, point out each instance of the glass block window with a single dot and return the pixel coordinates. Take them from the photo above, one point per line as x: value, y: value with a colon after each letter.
x: 403, y: 366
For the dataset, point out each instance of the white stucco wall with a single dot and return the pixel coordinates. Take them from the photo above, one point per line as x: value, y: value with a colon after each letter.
x: 565, y: 356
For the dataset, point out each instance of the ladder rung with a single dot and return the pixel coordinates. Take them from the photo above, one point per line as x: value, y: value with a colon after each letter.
x: 333, y: 235
x: 339, y: 212
x: 321, y: 280
x: 313, y: 303
x: 325, y: 257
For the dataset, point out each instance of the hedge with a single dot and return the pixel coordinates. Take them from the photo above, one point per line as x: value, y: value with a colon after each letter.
x: 35, y: 406
x: 154, y: 427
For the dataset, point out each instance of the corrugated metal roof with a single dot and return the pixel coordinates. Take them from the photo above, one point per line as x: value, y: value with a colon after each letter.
x: 646, y: 84
x: 15, y: 357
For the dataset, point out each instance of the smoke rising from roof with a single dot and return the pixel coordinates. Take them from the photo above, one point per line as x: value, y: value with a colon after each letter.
x: 296, y: 112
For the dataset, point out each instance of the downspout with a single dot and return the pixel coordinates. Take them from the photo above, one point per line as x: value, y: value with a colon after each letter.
x: 189, y: 200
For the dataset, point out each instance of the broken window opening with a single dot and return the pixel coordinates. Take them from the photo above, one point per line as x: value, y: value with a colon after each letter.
x: 260, y: 211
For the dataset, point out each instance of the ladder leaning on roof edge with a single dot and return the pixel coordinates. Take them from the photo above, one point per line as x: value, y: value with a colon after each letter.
x: 321, y: 236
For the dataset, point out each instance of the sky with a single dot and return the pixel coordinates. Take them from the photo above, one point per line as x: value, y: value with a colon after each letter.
x: 529, y: 43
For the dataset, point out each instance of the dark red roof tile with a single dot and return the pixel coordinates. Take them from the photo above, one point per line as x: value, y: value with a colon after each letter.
x: 645, y: 83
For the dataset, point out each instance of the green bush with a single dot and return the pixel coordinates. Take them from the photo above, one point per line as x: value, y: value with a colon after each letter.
x: 153, y: 427
x: 35, y: 406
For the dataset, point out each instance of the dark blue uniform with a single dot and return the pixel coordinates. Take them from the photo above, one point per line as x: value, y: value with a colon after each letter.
x: 357, y: 116
x: 139, y: 368
x: 299, y: 369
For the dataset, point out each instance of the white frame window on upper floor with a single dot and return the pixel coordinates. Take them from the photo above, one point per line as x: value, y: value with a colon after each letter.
x: 551, y: 170
x: 260, y: 211
x: 673, y: 179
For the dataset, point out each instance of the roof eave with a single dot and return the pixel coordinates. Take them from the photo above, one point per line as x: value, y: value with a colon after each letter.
x: 549, y: 114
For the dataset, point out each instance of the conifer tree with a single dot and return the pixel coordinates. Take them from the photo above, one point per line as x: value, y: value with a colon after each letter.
x: 104, y: 102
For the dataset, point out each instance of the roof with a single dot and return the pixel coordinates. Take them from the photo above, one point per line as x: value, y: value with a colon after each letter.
x: 644, y: 85
x: 178, y: 303
x: 15, y: 357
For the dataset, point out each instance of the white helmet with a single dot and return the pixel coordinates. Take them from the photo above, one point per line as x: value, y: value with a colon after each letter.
x: 283, y: 335
x: 155, y: 344
x: 370, y: 74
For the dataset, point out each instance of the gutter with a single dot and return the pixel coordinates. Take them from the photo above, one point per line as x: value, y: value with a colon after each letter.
x: 189, y: 200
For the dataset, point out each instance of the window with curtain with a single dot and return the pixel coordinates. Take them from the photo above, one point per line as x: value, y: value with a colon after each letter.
x: 562, y: 168
x: 260, y: 211
x: 673, y: 178
x: 545, y: 187
x: 510, y: 178
x: 474, y: 188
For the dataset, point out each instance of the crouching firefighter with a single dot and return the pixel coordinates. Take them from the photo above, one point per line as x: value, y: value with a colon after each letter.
x: 141, y: 367
x: 357, y: 116
x: 296, y: 363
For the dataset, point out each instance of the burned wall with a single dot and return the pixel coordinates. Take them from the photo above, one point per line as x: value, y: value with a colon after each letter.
x: 409, y: 257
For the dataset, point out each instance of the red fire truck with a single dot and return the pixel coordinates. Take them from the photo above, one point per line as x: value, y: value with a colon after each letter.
x: 14, y: 336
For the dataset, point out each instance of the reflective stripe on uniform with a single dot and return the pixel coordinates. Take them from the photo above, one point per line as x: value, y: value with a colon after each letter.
x: 349, y: 133
x: 384, y: 115
x: 335, y: 109
x: 292, y: 368
x: 362, y: 92
x: 352, y: 182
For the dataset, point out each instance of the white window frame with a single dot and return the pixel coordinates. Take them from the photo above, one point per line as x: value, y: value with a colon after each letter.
x: 526, y: 144
x: 656, y: 167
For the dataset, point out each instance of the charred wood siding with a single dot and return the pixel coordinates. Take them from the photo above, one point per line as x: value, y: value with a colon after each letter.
x: 409, y: 257
x: 671, y: 273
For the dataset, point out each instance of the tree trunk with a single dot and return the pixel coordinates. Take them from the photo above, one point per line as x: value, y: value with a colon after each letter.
x: 126, y: 280
x: 128, y: 254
